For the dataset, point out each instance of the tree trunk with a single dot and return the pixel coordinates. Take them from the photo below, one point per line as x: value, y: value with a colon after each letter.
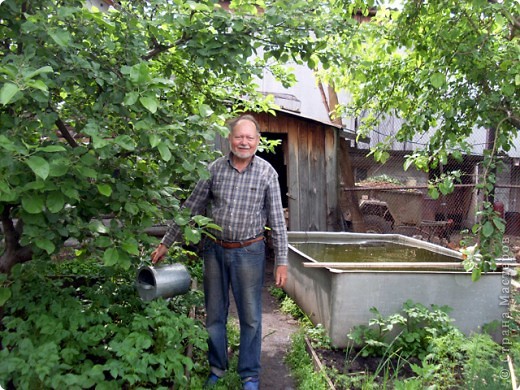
x: 14, y: 253
x: 348, y: 201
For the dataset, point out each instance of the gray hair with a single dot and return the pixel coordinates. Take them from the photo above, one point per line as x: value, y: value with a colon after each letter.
x: 247, y: 117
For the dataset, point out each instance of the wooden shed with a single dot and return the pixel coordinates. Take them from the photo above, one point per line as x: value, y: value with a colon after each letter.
x: 307, y: 165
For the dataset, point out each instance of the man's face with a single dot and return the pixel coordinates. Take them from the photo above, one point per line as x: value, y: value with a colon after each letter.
x: 244, y: 139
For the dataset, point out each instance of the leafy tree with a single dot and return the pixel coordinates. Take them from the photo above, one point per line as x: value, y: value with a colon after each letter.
x: 112, y: 114
x: 106, y: 119
x: 447, y: 68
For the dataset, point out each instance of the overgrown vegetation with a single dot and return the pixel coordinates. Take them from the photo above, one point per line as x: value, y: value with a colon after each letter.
x: 417, y: 348
x: 408, y: 333
x: 424, y: 343
x: 113, y: 114
x: 301, y: 364
x: 79, y: 324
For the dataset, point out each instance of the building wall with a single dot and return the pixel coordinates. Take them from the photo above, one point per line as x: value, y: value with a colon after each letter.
x: 312, y: 106
x: 311, y: 163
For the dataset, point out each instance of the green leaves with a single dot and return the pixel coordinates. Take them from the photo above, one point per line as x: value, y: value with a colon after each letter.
x: 33, y: 203
x: 115, y: 113
x: 126, y: 142
x: 488, y: 229
x: 7, y: 92
x: 51, y: 148
x: 27, y: 75
x: 97, y: 226
x: 495, y: 224
x: 438, y: 80
x: 50, y: 328
x: 154, y: 140
x: 104, y: 189
x: 205, y: 110
x: 192, y: 235
x: 46, y: 244
x: 61, y: 37
x: 111, y: 256
x: 5, y: 294
x: 39, y: 166
x: 150, y: 103
x: 447, y: 185
x: 381, y: 156
x: 55, y: 202
x: 408, y: 334
x: 22, y: 78
x: 165, y: 152
x: 139, y: 73
x: 131, y: 246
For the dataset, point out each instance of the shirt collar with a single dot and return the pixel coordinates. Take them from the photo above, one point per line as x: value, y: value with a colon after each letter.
x: 230, y: 160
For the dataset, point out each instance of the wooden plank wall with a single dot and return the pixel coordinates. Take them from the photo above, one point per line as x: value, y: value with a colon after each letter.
x: 311, y: 171
x: 334, y: 216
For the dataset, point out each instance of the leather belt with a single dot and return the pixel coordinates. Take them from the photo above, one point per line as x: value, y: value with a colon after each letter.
x: 237, y: 244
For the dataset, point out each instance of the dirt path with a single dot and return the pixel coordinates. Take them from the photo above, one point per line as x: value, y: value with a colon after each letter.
x: 277, y: 329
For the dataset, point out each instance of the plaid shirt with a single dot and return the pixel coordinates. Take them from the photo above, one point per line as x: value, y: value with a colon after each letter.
x: 241, y: 203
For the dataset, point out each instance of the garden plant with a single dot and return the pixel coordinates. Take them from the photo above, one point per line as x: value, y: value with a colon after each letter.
x: 416, y: 348
x: 107, y: 119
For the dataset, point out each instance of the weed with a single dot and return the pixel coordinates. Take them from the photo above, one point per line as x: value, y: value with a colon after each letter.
x: 288, y: 306
x: 424, y: 343
x: 278, y: 293
x: 318, y: 337
x: 301, y: 365
x: 410, y: 332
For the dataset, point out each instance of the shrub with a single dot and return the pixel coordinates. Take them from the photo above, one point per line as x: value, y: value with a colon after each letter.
x: 63, y: 329
x: 409, y: 333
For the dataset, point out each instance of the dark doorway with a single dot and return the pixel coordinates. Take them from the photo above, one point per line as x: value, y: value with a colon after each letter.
x: 277, y: 160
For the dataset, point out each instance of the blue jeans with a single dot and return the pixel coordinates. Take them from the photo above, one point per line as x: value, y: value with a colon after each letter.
x: 243, y: 270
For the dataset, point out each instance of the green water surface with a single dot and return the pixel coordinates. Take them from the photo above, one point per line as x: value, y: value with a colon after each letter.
x: 373, y: 251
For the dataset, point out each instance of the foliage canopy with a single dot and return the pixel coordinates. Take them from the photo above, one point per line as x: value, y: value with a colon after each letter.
x: 111, y: 114
x: 448, y: 69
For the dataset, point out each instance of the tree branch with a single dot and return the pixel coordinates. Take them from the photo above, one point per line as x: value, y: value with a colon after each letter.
x: 511, y: 118
x: 65, y: 132
x: 158, y: 49
x: 14, y: 253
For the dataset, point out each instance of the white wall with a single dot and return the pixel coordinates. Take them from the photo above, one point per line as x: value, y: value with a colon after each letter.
x: 311, y: 105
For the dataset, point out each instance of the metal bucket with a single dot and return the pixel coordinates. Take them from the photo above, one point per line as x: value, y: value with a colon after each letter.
x: 164, y: 281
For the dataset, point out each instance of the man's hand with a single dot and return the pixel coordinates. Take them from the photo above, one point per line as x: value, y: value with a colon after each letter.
x: 281, y: 275
x: 159, y: 253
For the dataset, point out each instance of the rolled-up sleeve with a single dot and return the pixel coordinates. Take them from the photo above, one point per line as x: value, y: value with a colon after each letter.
x: 196, y: 203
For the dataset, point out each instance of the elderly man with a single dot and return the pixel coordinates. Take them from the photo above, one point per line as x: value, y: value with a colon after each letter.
x: 242, y: 196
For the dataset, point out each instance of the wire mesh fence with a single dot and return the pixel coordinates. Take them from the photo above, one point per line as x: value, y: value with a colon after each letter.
x: 393, y: 200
